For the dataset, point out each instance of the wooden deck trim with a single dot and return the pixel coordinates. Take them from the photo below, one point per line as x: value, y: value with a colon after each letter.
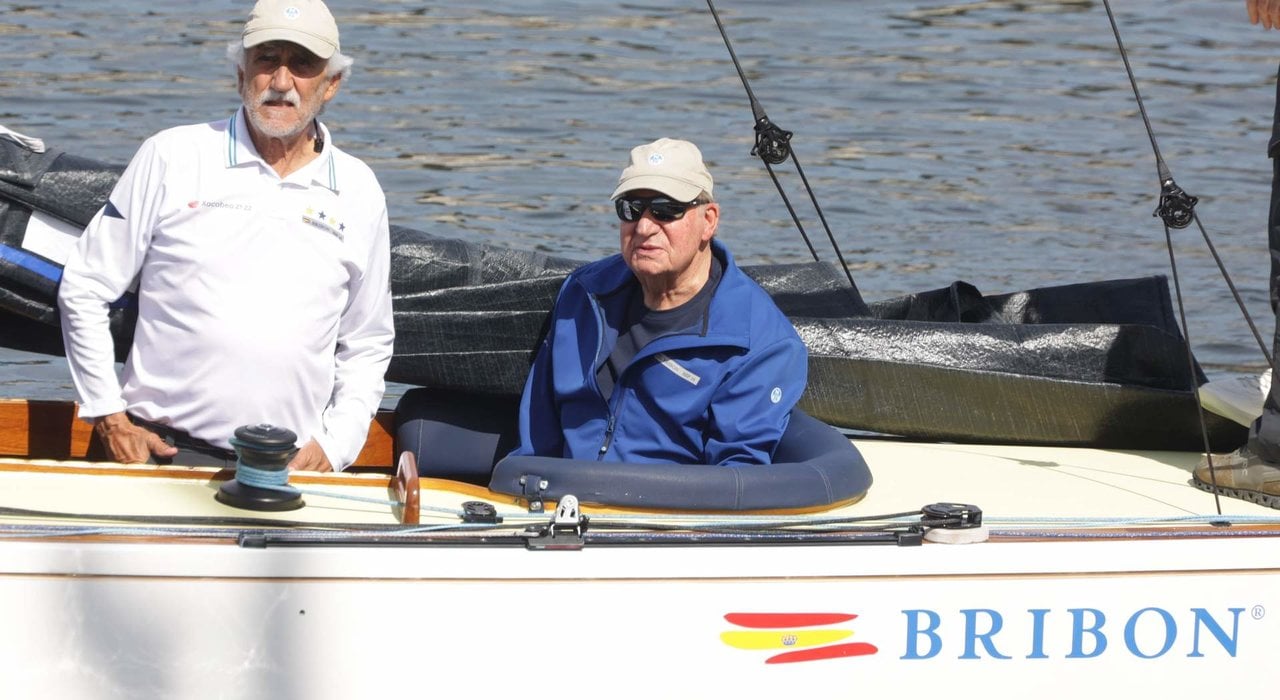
x: 379, y: 450
x: 32, y: 429
x: 42, y: 430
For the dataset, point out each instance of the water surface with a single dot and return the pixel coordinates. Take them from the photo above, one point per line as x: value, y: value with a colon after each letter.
x: 993, y: 142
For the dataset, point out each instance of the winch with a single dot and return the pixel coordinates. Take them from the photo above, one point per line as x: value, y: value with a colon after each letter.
x: 263, y: 452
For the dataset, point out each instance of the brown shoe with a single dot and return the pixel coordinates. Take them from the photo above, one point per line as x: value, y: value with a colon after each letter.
x: 1240, y: 474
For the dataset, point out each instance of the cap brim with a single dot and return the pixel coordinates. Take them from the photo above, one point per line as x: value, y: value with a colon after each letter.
x: 676, y: 189
x: 320, y: 47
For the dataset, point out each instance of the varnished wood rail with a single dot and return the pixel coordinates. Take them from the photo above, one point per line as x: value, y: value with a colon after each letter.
x: 51, y: 430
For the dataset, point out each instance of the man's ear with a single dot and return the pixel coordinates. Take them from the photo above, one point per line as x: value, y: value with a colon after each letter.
x: 332, y: 88
x: 711, y: 217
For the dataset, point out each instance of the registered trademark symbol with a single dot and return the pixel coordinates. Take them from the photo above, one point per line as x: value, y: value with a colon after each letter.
x: 1258, y: 612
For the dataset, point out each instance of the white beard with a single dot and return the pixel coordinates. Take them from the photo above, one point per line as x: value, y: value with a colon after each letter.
x: 276, y: 129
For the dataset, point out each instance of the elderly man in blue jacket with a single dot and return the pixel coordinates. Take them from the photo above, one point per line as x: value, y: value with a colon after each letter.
x: 665, y: 352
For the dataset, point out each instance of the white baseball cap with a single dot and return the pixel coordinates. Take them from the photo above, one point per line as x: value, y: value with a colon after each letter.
x: 307, y: 23
x: 670, y: 166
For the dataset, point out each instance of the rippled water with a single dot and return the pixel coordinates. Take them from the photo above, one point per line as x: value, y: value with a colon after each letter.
x: 994, y: 142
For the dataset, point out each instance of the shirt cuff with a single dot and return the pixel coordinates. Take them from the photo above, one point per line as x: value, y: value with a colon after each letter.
x: 332, y: 451
x: 101, y: 407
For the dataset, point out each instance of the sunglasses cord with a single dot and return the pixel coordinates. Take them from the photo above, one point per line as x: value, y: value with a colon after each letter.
x: 773, y: 146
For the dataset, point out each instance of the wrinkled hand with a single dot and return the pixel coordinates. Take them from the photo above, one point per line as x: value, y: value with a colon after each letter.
x: 1265, y: 12
x: 127, y: 443
x: 311, y: 459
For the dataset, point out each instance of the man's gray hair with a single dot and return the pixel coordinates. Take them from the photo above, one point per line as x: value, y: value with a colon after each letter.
x: 339, y: 64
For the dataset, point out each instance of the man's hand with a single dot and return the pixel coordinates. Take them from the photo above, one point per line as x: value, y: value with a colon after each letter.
x: 128, y: 443
x: 311, y: 459
x: 1266, y: 12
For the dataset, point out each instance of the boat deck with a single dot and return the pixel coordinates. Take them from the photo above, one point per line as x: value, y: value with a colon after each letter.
x: 42, y: 469
x: 1012, y: 485
x: 1031, y: 483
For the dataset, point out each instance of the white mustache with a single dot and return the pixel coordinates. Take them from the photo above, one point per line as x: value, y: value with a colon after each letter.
x: 273, y: 95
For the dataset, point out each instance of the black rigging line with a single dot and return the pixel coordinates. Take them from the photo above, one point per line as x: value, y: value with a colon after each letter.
x: 1176, y: 209
x: 773, y: 146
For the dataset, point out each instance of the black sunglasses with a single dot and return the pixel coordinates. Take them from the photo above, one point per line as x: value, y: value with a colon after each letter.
x: 664, y: 209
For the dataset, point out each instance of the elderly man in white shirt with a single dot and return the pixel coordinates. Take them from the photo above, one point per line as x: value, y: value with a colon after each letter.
x: 261, y: 257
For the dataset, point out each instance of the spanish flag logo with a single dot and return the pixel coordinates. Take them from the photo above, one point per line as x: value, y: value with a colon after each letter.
x: 801, y: 636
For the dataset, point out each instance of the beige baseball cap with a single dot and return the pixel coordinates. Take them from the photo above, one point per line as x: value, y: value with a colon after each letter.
x: 670, y: 166
x: 307, y: 23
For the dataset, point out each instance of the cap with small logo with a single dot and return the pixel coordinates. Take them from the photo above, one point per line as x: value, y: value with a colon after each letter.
x: 307, y: 23
x: 670, y: 166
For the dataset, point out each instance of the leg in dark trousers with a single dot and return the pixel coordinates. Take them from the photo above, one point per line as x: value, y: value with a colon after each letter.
x: 1252, y: 473
x: 1264, y: 437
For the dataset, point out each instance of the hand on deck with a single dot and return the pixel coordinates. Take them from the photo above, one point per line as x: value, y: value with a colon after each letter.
x: 311, y: 459
x: 127, y: 443
x: 1266, y: 12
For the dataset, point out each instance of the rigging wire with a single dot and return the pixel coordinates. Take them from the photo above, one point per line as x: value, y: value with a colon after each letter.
x: 773, y: 146
x: 1176, y: 208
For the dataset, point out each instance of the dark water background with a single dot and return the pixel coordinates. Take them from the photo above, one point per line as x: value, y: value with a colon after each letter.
x: 995, y: 142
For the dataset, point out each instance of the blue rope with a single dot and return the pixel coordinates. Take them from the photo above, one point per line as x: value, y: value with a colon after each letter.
x: 274, y: 479
x: 278, y: 480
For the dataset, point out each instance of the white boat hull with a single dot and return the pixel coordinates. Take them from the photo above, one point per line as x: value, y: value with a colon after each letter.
x: 1103, y: 577
x: 1162, y: 618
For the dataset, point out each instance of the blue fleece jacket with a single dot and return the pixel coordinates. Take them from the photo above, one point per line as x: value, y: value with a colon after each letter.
x: 719, y: 394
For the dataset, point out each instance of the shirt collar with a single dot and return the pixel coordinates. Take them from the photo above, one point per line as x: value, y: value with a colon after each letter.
x: 322, y: 171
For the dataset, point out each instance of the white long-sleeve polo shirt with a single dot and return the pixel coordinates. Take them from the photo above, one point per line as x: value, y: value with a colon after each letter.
x: 260, y: 299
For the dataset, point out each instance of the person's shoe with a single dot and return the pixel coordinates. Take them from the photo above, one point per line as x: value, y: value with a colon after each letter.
x: 1240, y: 474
